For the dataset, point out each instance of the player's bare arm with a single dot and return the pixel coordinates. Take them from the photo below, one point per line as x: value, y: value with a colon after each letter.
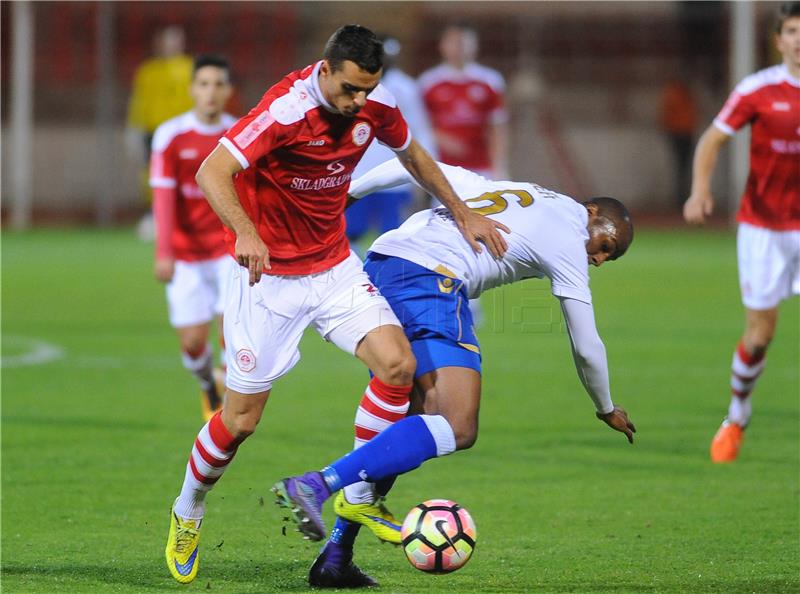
x: 473, y: 226
x: 215, y: 179
x: 701, y: 203
x: 498, y: 148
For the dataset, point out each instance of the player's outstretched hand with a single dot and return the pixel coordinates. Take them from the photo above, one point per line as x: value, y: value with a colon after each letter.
x: 252, y: 253
x: 698, y: 207
x: 618, y: 419
x: 475, y: 228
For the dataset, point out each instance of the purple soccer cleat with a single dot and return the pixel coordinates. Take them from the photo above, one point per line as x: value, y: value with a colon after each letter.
x: 334, y: 568
x: 303, y: 496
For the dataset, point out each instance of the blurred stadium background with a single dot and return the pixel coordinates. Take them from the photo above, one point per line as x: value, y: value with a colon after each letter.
x: 97, y: 412
x: 584, y: 80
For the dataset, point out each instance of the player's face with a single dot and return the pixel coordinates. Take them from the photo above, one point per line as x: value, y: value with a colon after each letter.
x: 210, y: 90
x: 602, y: 242
x: 347, y: 88
x: 600, y: 247
x: 788, y: 41
x: 458, y: 46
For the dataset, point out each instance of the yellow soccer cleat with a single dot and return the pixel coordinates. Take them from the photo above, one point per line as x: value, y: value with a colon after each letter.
x: 374, y: 516
x: 183, y: 557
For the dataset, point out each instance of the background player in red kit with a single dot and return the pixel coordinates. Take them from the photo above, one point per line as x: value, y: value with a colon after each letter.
x: 291, y: 159
x: 191, y: 256
x: 466, y: 104
x: 768, y: 241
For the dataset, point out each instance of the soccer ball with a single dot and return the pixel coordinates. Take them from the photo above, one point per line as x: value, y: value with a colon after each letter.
x: 438, y: 536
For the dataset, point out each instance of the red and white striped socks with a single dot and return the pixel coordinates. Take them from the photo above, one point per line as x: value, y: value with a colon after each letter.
x: 381, y: 406
x: 201, y: 365
x: 213, y: 450
x: 745, y: 370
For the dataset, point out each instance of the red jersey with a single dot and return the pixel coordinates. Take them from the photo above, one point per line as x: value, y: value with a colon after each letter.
x: 463, y: 104
x: 769, y: 100
x: 191, y: 230
x: 298, y: 156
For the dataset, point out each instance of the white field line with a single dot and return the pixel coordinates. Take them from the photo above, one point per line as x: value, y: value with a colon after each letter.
x: 37, y: 352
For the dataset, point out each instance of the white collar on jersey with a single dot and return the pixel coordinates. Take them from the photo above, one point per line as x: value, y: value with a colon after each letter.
x: 795, y: 82
x: 220, y: 126
x: 316, y: 91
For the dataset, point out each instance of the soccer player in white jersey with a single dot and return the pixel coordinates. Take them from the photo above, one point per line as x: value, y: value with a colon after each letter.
x: 278, y: 179
x: 768, y: 240
x: 191, y: 257
x: 427, y: 272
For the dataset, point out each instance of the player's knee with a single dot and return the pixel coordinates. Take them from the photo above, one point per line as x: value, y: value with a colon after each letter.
x: 240, y: 425
x: 466, y: 435
x: 758, y: 338
x: 399, y: 369
x: 194, y: 346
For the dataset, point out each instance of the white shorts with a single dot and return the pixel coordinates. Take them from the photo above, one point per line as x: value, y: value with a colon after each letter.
x: 264, y: 323
x: 197, y: 291
x: 769, y: 265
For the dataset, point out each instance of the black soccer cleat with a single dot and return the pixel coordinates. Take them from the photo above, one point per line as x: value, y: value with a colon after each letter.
x: 326, y: 573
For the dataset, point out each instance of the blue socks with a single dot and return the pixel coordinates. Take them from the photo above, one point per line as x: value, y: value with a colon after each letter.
x: 398, y: 449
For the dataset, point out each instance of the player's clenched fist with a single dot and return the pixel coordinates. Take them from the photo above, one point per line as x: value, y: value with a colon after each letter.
x: 697, y: 208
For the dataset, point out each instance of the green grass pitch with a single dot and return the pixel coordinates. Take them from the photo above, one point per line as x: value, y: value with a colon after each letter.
x: 94, y: 443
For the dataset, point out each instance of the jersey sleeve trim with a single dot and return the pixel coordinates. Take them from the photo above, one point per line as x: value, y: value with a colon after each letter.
x: 404, y: 146
x: 163, y: 182
x: 232, y: 149
x: 724, y: 128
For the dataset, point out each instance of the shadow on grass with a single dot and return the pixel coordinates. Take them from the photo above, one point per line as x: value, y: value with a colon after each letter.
x: 263, y: 577
x: 290, y: 576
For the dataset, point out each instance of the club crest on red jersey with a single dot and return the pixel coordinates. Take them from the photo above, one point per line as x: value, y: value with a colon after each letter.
x: 361, y: 133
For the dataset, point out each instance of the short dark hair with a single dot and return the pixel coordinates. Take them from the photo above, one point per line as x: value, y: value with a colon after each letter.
x: 357, y: 44
x: 786, y: 11
x: 615, y: 214
x: 216, y: 60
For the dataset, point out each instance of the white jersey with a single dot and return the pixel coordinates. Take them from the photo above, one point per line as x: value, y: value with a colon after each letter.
x: 548, y: 233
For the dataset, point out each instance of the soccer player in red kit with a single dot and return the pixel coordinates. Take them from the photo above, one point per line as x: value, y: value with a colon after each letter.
x: 191, y: 256
x: 466, y: 104
x: 768, y: 241
x: 279, y: 180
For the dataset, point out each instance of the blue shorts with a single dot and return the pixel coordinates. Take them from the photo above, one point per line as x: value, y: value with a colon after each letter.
x: 434, y: 311
x: 381, y: 211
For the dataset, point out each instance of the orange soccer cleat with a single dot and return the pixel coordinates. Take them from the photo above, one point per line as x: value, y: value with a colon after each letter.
x: 726, y: 443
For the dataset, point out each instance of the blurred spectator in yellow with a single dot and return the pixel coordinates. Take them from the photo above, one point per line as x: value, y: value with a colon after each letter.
x: 159, y: 93
x: 466, y: 104
x: 678, y: 116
